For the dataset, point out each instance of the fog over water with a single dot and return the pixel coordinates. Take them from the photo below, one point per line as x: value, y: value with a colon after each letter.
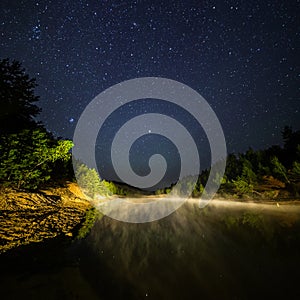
x: 227, y: 250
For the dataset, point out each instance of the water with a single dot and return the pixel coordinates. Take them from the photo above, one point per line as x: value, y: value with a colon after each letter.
x: 225, y: 251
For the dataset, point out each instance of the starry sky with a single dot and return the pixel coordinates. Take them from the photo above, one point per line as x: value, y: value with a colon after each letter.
x: 241, y: 56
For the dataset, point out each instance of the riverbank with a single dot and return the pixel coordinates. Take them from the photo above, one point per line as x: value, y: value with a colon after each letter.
x: 32, y: 217
x: 65, y: 213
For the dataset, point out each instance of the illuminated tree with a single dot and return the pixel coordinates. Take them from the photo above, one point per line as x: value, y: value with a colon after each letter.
x: 26, y: 158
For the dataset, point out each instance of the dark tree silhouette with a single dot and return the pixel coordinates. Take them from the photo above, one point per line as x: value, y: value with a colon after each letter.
x: 29, y: 154
x: 291, y: 143
x: 17, y: 98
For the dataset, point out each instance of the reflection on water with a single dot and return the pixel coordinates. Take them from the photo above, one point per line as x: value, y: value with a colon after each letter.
x: 220, y: 252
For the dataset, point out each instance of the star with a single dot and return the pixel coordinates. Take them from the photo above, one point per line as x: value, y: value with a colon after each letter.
x: 238, y: 56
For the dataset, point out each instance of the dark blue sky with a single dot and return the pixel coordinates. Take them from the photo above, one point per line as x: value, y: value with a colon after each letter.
x: 241, y: 56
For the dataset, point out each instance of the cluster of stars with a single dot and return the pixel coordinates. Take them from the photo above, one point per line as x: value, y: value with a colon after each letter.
x: 240, y: 55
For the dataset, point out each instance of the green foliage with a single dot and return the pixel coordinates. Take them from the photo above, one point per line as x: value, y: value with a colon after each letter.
x: 231, y: 221
x: 111, y: 187
x: 26, y: 158
x: 89, y: 180
x: 185, y: 185
x: 279, y: 169
x: 252, y: 220
x: 242, y: 186
x: 115, y: 189
x: 28, y: 152
x: 163, y: 191
x: 89, y: 221
x: 159, y: 192
x: 218, y: 179
x: 263, y: 169
x: 296, y: 168
x: 168, y: 190
x: 92, y: 184
x: 247, y: 173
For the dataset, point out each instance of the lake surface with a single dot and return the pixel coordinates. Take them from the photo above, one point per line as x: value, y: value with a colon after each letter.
x: 224, y: 251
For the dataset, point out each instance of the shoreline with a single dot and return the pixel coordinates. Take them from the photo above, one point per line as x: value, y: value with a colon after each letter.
x: 64, y: 213
x: 35, y: 217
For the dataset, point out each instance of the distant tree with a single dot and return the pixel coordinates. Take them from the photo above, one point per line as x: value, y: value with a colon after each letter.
x: 89, y: 180
x: 242, y: 186
x: 111, y: 187
x: 296, y: 168
x: 186, y: 186
x: 291, y: 143
x: 168, y: 190
x: 253, y: 157
x: 218, y: 179
x: 248, y: 174
x: 199, y: 190
x: 279, y: 170
x: 245, y: 171
x: 233, y: 167
x: 159, y: 192
x: 287, y: 133
x: 272, y: 151
x: 17, y: 98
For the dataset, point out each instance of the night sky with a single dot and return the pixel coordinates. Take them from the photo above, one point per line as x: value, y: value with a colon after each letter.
x: 241, y: 56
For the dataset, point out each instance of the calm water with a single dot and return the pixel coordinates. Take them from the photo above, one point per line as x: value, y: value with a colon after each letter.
x: 220, y: 252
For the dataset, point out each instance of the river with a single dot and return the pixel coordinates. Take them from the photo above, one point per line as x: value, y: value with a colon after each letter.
x: 226, y: 250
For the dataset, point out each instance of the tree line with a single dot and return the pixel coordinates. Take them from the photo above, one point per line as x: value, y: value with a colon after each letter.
x: 30, y: 155
x: 261, y: 172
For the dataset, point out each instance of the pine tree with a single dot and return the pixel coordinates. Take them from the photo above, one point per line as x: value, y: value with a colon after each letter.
x: 27, y: 151
x: 17, y: 98
x: 279, y: 169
